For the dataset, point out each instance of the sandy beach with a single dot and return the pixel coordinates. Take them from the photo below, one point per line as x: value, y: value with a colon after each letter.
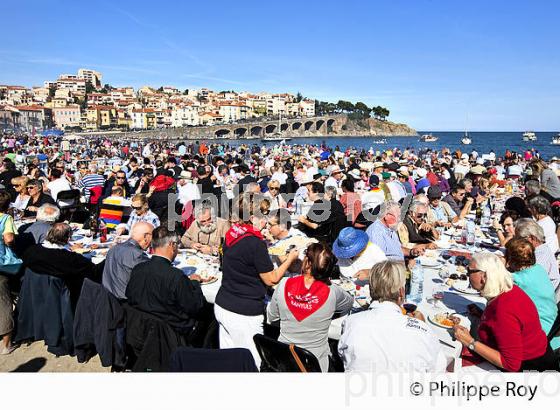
x: 35, y: 358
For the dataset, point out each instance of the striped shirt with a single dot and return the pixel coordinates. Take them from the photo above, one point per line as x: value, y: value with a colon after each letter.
x: 149, y: 217
x: 387, y: 239
x: 89, y: 181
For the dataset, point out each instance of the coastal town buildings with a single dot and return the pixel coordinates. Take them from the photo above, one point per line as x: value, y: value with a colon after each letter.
x: 82, y: 100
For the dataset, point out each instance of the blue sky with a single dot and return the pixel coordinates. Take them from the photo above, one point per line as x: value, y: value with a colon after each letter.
x: 432, y: 63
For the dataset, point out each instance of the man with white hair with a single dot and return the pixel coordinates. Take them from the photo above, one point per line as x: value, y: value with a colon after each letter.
x: 527, y: 228
x: 35, y: 233
x: 123, y: 257
x: 382, y: 338
x: 206, y: 232
x: 383, y: 233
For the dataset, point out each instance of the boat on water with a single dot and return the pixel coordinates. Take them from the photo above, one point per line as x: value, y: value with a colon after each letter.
x: 466, y: 140
x: 428, y: 138
x: 556, y: 139
x: 379, y: 141
x: 529, y: 136
x: 276, y: 137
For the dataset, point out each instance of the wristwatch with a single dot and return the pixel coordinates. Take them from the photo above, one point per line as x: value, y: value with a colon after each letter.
x: 471, y: 345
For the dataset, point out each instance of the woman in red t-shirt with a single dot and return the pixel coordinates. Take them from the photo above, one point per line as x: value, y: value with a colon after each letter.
x: 510, y: 333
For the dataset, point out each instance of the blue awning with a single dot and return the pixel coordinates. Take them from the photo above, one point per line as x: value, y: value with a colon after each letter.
x: 56, y: 133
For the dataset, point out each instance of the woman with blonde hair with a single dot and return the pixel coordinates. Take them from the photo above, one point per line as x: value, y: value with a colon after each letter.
x: 273, y: 195
x: 20, y: 186
x: 510, y: 335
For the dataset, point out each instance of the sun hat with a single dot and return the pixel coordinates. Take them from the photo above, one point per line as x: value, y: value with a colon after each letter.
x: 350, y: 242
x: 421, y: 172
x: 478, y: 170
x: 307, y: 179
x: 386, y: 175
x: 377, y: 164
x: 355, y: 174
x: 335, y: 170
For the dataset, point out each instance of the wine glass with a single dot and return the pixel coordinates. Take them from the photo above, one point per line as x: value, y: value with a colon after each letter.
x: 437, y: 295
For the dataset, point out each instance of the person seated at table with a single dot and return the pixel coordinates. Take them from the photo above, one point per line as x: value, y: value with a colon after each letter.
x: 505, y: 228
x: 20, y: 186
x: 518, y: 205
x: 140, y: 213
x: 383, y: 233
x: 36, y: 232
x: 158, y: 288
x: 206, y: 232
x: 440, y: 213
x: 455, y: 201
x: 541, y: 211
x: 356, y: 254
x: 323, y: 220
x: 123, y: 257
x: 350, y: 200
x: 54, y: 257
x: 415, y: 232
x: 526, y: 228
x: 383, y: 338
x: 510, y: 335
x: 37, y: 198
x: 305, y: 304
x: 118, y: 180
x: 533, y: 279
x: 246, y: 272
x: 273, y: 194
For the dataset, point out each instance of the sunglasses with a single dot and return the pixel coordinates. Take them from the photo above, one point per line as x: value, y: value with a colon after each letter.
x: 274, y: 189
x: 421, y: 215
x: 472, y: 271
x: 455, y: 276
x: 136, y: 208
x: 120, y: 177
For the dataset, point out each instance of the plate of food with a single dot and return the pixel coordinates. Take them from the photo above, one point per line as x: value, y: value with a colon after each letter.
x: 194, y: 261
x: 297, y: 241
x: 208, y: 275
x: 445, y: 319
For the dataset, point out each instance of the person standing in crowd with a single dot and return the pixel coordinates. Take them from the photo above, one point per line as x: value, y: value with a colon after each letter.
x: 8, y: 234
x: 246, y: 272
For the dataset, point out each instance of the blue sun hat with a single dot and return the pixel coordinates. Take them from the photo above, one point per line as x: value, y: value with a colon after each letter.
x: 350, y: 242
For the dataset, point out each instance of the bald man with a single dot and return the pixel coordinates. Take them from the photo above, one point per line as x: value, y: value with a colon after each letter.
x: 122, y: 258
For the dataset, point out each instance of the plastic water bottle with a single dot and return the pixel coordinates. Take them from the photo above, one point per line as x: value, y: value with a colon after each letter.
x: 486, y: 214
x: 471, y: 235
x: 416, y: 285
x: 299, y: 205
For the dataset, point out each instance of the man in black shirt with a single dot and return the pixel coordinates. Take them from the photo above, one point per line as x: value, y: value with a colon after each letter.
x: 246, y: 178
x: 157, y: 288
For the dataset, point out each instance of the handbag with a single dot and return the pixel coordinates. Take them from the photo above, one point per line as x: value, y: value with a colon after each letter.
x: 9, y: 262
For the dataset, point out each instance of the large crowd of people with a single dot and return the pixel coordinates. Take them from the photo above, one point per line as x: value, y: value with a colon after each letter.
x: 370, y: 216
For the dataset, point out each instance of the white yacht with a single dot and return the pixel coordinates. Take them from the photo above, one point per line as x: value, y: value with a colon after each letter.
x: 428, y: 138
x: 529, y: 136
x: 466, y: 140
x: 556, y: 139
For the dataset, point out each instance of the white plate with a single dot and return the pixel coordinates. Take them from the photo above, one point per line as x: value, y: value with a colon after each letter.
x: 463, y: 286
x: 429, y: 262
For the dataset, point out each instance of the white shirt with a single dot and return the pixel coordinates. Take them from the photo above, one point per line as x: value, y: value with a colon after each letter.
x: 188, y: 192
x: 331, y: 181
x: 549, y: 228
x: 383, y: 339
x: 58, y: 185
x: 369, y: 257
x: 372, y: 198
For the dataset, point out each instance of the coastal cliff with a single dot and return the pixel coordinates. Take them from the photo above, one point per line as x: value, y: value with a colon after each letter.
x: 375, y: 128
